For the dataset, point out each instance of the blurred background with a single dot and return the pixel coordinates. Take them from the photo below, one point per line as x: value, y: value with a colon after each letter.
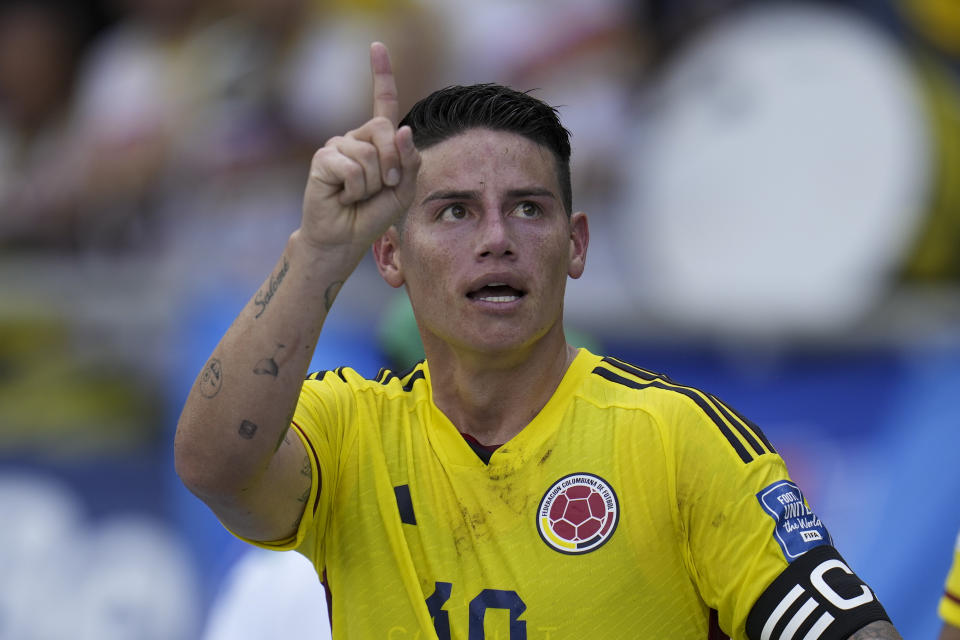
x: 774, y: 198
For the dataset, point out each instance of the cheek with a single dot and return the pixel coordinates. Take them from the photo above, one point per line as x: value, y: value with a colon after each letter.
x: 430, y: 271
x: 554, y: 251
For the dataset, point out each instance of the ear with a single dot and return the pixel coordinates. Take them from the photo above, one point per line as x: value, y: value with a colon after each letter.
x: 386, y: 253
x: 579, y: 239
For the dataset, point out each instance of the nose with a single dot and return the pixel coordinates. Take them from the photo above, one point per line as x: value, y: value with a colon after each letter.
x: 495, y: 238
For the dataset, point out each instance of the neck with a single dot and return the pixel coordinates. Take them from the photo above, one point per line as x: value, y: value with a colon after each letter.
x: 492, y: 397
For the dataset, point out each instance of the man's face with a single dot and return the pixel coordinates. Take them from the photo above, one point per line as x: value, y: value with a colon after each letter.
x: 486, y: 246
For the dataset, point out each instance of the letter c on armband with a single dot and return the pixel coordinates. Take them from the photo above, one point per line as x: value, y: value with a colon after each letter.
x: 816, y: 597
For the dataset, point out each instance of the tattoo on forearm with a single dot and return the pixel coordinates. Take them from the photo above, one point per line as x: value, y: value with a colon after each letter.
x: 296, y: 523
x: 331, y: 294
x: 263, y: 298
x: 211, y: 378
x: 305, y: 496
x: 247, y: 429
x: 269, y: 366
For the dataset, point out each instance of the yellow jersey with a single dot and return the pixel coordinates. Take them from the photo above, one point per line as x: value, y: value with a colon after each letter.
x: 949, y: 608
x: 629, y: 507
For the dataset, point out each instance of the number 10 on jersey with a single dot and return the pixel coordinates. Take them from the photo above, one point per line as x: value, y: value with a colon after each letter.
x: 486, y: 599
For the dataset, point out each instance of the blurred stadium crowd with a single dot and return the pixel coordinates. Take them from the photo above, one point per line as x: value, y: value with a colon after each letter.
x: 774, y: 197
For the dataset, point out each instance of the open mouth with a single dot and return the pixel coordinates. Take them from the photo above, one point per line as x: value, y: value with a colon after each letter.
x: 496, y: 292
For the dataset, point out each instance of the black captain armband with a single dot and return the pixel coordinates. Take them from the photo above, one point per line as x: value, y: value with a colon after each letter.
x: 817, y: 597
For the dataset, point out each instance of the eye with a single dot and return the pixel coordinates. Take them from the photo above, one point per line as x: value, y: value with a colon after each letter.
x: 453, y: 212
x: 527, y: 209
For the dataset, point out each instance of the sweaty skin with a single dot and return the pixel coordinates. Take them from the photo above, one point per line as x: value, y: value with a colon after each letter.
x: 485, y: 253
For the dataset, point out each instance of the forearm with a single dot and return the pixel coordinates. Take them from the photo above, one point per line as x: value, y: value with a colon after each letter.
x: 877, y: 631
x: 230, y: 447
x: 240, y: 406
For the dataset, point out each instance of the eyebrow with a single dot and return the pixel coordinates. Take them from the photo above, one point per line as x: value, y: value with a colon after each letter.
x: 475, y: 195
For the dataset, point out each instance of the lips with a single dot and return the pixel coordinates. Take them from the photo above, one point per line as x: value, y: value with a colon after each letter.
x: 496, y: 292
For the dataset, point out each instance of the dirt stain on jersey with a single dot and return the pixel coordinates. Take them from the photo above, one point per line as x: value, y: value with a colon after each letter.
x: 515, y: 500
x: 473, y: 525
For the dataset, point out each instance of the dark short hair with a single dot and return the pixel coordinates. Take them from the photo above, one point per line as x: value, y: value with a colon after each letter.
x: 451, y: 111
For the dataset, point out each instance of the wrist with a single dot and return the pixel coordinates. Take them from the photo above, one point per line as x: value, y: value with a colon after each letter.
x: 335, y: 259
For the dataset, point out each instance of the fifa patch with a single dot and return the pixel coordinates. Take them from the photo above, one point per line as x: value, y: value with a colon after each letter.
x: 578, y: 513
x: 797, y: 529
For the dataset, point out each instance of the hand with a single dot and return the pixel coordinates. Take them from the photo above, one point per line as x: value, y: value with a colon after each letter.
x: 362, y: 182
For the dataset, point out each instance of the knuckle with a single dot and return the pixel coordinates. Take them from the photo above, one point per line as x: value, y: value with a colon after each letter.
x: 353, y: 174
x: 324, y: 154
x: 367, y: 153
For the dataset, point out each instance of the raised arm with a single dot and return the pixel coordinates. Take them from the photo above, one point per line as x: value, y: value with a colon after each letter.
x: 877, y: 631
x: 949, y: 632
x: 231, y: 446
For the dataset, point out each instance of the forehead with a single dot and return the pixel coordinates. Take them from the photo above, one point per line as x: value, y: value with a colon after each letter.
x: 486, y: 159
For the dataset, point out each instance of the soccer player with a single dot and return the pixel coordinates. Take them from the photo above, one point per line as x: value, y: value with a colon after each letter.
x: 949, y: 608
x: 509, y: 486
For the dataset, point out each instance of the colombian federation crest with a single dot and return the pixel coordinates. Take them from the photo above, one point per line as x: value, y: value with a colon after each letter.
x: 578, y: 513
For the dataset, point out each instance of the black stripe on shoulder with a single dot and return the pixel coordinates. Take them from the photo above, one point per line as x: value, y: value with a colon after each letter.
x: 409, y: 370
x: 383, y: 371
x: 750, y: 424
x: 644, y: 374
x: 700, y: 401
x: 750, y: 432
x: 417, y: 375
x: 737, y: 424
x: 413, y: 373
x: 320, y: 375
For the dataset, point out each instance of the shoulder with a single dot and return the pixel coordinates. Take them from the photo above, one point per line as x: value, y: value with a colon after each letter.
x: 344, y: 397
x: 629, y: 385
x: 676, y: 407
x: 615, y: 374
x: 388, y: 384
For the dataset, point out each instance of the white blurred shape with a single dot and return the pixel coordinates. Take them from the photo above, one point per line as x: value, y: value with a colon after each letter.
x: 38, y: 542
x: 270, y: 594
x: 328, y: 57
x: 488, y: 41
x: 63, y: 576
x: 139, y: 584
x: 39, y: 512
x: 781, y: 171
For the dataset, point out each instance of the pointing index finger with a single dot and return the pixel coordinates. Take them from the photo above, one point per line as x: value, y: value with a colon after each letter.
x: 385, y: 101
